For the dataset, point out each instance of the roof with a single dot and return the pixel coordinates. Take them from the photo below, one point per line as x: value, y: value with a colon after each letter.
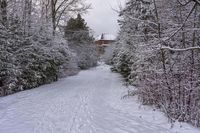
x: 105, y: 36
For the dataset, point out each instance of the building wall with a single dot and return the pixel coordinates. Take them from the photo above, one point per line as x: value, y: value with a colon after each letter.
x: 101, y: 47
x: 100, y: 42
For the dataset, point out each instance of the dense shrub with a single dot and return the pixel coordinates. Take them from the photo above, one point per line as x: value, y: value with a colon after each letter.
x: 27, y: 62
x: 159, y: 52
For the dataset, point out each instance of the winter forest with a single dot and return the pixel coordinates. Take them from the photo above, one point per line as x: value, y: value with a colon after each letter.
x: 36, y: 42
x: 157, y: 51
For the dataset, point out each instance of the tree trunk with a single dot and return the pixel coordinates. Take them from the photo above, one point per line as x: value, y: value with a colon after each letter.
x: 53, y: 15
x: 3, y: 6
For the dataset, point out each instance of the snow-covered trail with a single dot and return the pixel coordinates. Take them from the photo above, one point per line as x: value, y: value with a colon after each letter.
x: 90, y: 102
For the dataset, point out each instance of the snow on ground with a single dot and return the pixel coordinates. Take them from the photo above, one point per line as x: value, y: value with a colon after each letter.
x: 90, y: 102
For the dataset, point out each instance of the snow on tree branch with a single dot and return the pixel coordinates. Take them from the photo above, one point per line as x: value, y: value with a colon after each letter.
x: 183, y: 24
x: 180, y: 50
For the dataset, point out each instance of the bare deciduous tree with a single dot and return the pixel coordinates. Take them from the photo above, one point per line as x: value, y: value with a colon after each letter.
x: 59, y: 8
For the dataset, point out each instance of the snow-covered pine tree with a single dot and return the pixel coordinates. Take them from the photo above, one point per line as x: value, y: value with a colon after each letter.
x: 136, y: 29
x: 81, y: 41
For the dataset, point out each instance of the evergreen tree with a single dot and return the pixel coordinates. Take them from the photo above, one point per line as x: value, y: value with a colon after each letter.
x: 77, y: 29
x: 76, y: 24
x: 80, y: 40
x: 135, y: 29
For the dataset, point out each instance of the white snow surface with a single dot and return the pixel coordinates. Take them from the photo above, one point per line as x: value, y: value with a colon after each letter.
x: 90, y: 102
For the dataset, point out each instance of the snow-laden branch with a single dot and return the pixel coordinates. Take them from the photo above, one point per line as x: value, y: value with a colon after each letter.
x: 184, y: 4
x: 197, y: 1
x: 177, y: 31
x: 137, y: 19
x: 191, y: 29
x: 188, y: 2
x: 180, y: 50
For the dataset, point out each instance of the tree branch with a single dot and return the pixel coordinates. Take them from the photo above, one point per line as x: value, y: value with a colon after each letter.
x: 197, y: 1
x: 180, y: 50
x: 191, y: 11
x: 184, y: 4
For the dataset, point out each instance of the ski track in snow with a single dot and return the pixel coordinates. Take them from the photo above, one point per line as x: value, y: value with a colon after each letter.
x: 90, y: 102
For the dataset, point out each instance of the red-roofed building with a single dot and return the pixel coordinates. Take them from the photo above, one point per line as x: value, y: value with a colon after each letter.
x: 104, y: 39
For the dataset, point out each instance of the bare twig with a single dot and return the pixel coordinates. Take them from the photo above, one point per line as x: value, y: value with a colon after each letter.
x: 184, y: 4
x: 197, y: 1
x: 177, y: 31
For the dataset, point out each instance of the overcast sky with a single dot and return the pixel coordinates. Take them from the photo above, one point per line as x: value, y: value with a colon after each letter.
x: 102, y: 18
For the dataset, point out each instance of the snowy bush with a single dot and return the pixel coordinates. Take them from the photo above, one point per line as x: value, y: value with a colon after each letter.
x: 108, y: 54
x: 158, y: 50
x: 86, y: 54
x: 29, y: 62
x: 32, y: 50
x: 122, y: 63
